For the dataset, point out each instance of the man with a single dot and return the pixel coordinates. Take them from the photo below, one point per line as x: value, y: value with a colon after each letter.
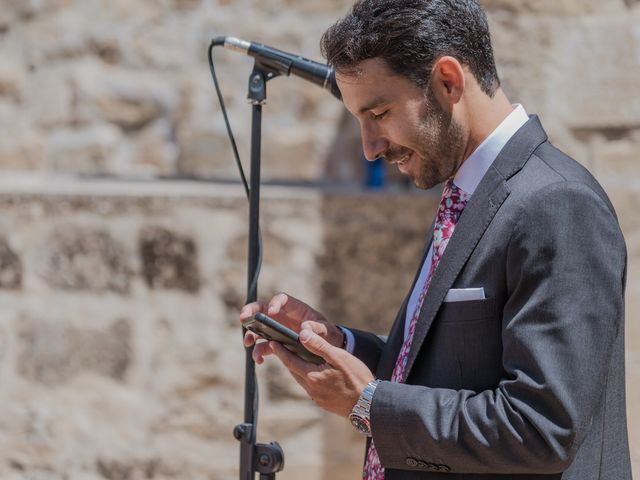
x: 506, y: 359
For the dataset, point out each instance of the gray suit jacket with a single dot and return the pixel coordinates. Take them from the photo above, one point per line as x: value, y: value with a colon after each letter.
x: 529, y: 383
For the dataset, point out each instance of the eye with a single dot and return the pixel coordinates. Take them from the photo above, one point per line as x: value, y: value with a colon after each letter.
x: 379, y: 116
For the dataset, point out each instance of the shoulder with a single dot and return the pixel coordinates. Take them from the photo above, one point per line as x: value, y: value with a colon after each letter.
x: 551, y: 181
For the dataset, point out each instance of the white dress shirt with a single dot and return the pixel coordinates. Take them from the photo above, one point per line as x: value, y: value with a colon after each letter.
x: 467, y: 178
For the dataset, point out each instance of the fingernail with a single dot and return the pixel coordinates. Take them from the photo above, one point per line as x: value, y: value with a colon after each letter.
x: 305, y: 335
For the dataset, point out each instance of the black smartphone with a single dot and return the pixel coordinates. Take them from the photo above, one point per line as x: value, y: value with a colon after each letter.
x: 271, y: 329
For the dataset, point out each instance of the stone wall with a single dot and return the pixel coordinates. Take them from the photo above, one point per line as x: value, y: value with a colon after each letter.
x: 120, y: 87
x: 120, y: 357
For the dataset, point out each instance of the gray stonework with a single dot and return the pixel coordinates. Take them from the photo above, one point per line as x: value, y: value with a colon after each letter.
x: 120, y: 354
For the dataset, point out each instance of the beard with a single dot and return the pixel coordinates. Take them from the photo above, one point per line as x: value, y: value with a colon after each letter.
x: 439, y: 144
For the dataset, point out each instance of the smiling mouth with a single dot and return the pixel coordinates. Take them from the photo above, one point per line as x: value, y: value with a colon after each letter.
x: 403, y: 160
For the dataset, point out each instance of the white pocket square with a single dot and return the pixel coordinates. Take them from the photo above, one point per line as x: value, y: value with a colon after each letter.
x: 464, y: 294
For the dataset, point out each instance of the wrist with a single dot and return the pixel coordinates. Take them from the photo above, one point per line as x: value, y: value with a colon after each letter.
x: 342, y: 338
x: 360, y: 415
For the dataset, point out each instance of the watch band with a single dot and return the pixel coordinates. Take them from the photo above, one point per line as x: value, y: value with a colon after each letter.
x: 360, y: 414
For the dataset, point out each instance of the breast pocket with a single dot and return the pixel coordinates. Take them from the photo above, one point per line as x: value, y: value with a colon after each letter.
x: 469, y: 311
x: 472, y: 333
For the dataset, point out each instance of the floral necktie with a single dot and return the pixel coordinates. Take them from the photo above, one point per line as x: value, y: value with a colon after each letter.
x: 451, y: 206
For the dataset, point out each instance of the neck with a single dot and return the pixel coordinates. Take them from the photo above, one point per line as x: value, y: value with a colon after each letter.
x: 484, y: 114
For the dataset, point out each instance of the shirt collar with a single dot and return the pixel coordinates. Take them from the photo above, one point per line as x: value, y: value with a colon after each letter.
x: 473, y: 169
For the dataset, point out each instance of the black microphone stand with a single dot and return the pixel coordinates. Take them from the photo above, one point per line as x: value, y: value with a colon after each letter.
x: 265, y: 459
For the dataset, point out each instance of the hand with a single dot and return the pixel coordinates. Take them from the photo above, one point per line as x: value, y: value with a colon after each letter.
x: 292, y: 313
x: 334, y: 386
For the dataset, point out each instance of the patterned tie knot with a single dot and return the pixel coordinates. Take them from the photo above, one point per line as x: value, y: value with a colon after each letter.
x: 451, y: 206
x: 453, y: 200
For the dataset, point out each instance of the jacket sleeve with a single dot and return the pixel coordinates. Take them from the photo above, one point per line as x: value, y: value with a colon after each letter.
x: 565, y: 266
x: 368, y: 347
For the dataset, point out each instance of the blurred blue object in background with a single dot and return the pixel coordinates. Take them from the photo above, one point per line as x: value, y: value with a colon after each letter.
x: 375, y: 174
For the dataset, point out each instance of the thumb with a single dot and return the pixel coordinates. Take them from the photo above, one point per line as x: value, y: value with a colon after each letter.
x: 318, y: 345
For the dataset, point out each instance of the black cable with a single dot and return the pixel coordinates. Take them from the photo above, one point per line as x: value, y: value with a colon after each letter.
x: 254, y: 281
x: 214, y: 43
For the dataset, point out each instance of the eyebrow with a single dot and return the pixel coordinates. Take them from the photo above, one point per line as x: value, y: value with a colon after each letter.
x: 373, y: 104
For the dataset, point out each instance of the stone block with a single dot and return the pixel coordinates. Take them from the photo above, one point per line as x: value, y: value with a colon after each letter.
x: 293, y: 154
x: 29, y: 9
x: 128, y: 99
x: 581, y: 45
x: 547, y: 63
x: 205, y: 153
x: 10, y: 267
x: 83, y: 259
x: 107, y: 46
x: 129, y: 113
x: 618, y: 157
x: 170, y: 260
x: 186, y: 5
x: 21, y: 149
x: 11, y: 81
x: 57, y: 36
x: 91, y: 150
x: 626, y: 201
x: 50, y: 100
x: 53, y: 352
x: 163, y: 45
x: 555, y: 7
x: 6, y: 17
x: 154, y: 152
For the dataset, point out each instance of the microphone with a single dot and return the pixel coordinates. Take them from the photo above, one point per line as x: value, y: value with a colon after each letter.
x: 285, y: 63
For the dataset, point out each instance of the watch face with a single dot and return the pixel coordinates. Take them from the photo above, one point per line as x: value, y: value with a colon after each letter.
x: 361, y: 424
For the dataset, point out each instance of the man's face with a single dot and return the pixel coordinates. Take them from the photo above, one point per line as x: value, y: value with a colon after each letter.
x: 403, y: 123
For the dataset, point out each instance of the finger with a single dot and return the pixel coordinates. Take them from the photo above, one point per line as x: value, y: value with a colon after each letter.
x: 291, y: 310
x: 260, y: 351
x: 318, y: 345
x: 276, y: 303
x: 251, y: 309
x: 250, y: 339
x: 294, y: 364
x: 315, y: 327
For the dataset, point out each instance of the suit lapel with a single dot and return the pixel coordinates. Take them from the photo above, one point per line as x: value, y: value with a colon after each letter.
x: 476, y: 217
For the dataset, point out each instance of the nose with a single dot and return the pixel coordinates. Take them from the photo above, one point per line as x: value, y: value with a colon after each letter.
x: 373, y: 142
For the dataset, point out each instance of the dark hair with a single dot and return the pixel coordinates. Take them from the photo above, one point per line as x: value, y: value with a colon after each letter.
x: 409, y: 35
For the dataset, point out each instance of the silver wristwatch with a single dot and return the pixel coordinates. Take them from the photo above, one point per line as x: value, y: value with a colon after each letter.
x: 359, y: 415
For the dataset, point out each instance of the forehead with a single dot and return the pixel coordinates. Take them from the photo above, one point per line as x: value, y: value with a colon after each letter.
x: 373, y: 83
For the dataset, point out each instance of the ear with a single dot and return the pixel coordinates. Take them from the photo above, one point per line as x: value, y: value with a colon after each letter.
x: 448, y: 80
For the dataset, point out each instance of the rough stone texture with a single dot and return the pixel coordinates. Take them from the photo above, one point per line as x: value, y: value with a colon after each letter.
x: 50, y: 353
x: 169, y: 261
x: 119, y: 365
x: 10, y: 267
x: 99, y: 385
x: 70, y: 64
x: 81, y: 259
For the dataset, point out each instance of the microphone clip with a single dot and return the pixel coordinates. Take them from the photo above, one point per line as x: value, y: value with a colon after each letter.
x: 258, y: 79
